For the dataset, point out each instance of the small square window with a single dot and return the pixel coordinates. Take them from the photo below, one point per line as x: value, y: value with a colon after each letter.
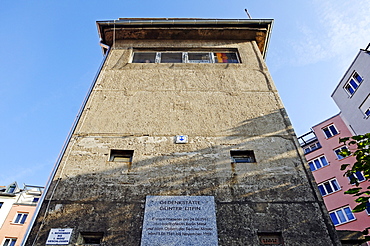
x: 20, y: 218
x: 242, y: 156
x: 90, y: 238
x: 121, y: 155
x: 1, y: 204
x: 9, y: 242
x: 35, y: 199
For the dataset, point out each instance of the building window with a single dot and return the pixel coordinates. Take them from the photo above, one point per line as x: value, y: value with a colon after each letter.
x: 242, y: 156
x: 356, y: 177
x: 1, y: 204
x: 35, y: 199
x: 318, y: 163
x: 341, y: 216
x: 367, y: 112
x: 337, y: 152
x: 9, y: 241
x: 90, y: 238
x: 353, y: 83
x: 365, y: 106
x: 329, y: 187
x: 185, y: 57
x: 20, y: 218
x: 11, y: 188
x: 368, y: 208
x: 330, y: 131
x: 312, y: 147
x: 120, y: 155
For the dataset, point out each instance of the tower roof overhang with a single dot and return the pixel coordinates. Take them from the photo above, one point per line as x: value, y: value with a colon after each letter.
x: 258, y: 30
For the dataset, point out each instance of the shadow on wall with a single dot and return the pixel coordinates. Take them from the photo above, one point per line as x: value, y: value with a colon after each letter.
x: 255, y: 195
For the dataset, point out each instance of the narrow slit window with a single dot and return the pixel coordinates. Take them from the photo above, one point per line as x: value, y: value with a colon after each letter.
x: 242, y: 156
x: 184, y: 56
x: 121, y: 155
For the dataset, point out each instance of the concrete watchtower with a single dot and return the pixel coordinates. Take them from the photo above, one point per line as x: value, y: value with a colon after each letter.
x: 183, y: 140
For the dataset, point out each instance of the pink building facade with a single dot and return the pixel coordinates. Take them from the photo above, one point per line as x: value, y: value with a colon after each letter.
x: 321, y: 152
x: 18, y: 216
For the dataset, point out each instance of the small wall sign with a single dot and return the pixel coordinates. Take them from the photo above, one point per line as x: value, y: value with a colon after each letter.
x: 59, y: 236
x: 181, y: 139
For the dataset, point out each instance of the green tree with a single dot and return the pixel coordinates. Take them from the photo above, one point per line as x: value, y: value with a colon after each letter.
x: 362, y: 164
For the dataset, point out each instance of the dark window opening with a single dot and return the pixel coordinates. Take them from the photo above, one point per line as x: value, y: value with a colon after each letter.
x: 242, y: 156
x: 91, y: 238
x: 121, y: 155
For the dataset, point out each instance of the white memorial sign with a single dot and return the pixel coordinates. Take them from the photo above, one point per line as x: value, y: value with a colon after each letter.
x: 59, y: 236
x: 179, y: 220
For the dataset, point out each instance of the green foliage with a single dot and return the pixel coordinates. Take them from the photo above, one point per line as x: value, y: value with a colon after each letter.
x: 362, y: 154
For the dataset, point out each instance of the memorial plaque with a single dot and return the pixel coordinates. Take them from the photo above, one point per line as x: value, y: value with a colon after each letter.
x: 179, y: 220
x: 59, y: 236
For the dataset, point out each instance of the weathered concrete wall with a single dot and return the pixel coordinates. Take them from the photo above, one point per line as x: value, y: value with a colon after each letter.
x: 221, y: 107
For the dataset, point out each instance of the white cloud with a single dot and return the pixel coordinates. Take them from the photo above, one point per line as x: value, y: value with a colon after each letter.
x: 341, y: 28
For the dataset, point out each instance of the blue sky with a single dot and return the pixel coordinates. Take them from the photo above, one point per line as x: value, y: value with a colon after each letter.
x: 50, y: 54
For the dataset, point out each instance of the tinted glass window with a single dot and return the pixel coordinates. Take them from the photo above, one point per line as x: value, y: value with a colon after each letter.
x: 144, y: 57
x: 226, y: 58
x: 199, y: 58
x: 171, y: 57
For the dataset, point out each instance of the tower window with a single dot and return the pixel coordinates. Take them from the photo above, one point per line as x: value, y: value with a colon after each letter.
x: 121, y: 155
x: 90, y: 238
x: 329, y: 187
x: 242, y: 156
x: 226, y: 56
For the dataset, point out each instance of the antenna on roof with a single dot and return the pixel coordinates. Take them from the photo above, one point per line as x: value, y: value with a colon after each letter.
x: 367, y: 48
x: 246, y: 11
